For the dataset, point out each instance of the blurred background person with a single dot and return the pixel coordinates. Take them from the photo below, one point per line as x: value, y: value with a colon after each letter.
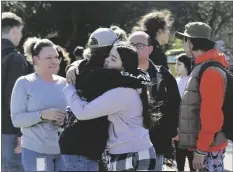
x: 78, y: 53
x: 14, y: 65
x: 64, y: 60
x: 183, y: 69
x: 121, y: 34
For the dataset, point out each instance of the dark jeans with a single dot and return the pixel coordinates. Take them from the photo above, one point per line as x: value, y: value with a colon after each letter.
x: 181, y: 154
x: 79, y: 163
x: 10, y: 160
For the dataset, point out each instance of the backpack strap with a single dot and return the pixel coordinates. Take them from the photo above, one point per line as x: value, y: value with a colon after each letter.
x: 210, y: 64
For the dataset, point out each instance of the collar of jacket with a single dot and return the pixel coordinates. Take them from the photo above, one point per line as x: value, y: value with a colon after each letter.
x: 155, y: 44
x: 212, y: 54
x: 7, y: 44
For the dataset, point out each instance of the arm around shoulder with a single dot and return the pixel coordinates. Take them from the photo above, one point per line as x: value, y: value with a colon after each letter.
x: 111, y: 102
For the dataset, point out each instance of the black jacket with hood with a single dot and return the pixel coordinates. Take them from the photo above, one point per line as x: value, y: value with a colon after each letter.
x: 14, y: 65
x: 167, y: 92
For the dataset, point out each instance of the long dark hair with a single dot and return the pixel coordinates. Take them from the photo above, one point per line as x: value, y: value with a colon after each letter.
x: 152, y: 22
x: 130, y: 62
x: 129, y: 56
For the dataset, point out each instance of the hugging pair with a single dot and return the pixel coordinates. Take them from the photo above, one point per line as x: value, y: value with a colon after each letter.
x: 115, y: 114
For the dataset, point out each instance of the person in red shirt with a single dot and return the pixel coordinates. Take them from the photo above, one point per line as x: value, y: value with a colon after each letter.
x: 198, y: 44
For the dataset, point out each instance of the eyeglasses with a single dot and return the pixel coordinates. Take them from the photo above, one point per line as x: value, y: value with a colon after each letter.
x: 139, y: 45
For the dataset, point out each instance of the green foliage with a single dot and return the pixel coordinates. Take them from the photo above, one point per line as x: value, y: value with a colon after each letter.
x: 172, y: 69
x: 177, y: 44
x: 74, y: 21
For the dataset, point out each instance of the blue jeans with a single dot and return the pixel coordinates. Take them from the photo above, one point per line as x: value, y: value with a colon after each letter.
x: 159, y: 162
x: 10, y: 160
x: 79, y: 163
x: 34, y: 161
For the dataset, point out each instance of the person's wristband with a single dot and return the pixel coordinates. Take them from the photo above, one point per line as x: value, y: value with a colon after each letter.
x: 200, y: 152
x: 41, y: 116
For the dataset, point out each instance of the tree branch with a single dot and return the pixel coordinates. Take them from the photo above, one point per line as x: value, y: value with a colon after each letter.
x: 225, y: 20
x: 194, y: 7
x: 211, y: 23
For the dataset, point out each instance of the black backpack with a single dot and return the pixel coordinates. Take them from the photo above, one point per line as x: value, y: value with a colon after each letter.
x: 227, y: 107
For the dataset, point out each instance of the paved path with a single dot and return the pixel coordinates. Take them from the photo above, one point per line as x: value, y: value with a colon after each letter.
x: 229, y: 157
x: 228, y: 161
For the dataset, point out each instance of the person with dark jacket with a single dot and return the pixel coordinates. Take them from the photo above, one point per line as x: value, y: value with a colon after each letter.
x: 158, y: 56
x: 168, y: 94
x: 126, y: 115
x: 86, y: 140
x: 13, y: 66
x: 95, y: 79
x: 156, y: 25
x: 165, y: 94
